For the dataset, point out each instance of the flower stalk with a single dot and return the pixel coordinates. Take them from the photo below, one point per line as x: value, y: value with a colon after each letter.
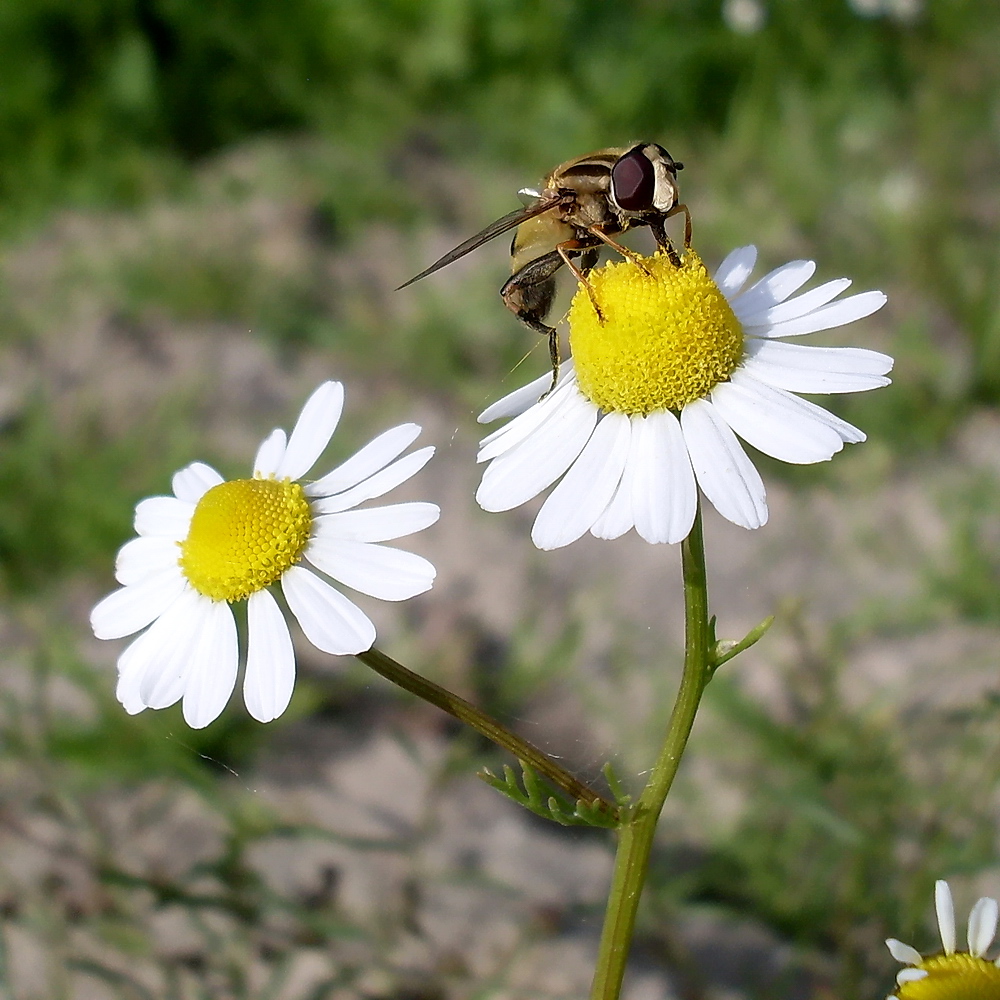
x: 486, y: 726
x: 635, y: 836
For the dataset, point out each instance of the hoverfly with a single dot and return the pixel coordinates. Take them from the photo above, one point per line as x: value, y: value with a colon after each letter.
x: 582, y: 204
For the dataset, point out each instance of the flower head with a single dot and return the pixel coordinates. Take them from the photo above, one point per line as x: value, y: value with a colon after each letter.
x: 216, y: 542
x: 664, y: 377
x: 953, y: 975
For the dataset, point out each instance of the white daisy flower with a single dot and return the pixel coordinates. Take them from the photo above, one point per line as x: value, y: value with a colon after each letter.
x: 216, y: 542
x: 952, y: 975
x: 646, y: 412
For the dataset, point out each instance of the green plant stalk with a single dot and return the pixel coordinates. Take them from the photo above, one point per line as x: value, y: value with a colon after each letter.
x: 484, y: 724
x: 635, y: 836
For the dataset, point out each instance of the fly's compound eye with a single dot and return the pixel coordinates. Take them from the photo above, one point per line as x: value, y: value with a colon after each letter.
x: 633, y: 181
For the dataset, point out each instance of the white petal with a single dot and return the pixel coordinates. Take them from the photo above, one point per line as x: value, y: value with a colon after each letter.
x: 587, y: 488
x: 212, y: 671
x: 793, y: 308
x: 270, y: 670
x: 152, y: 671
x: 375, y: 455
x: 329, y: 620
x: 131, y: 608
x: 800, y: 368
x: 724, y: 473
x: 380, y: 571
x: 270, y: 453
x: 377, y: 485
x: 377, y: 524
x: 903, y: 952
x: 167, y: 517
x: 144, y: 556
x: 313, y: 430
x: 193, y: 481
x: 945, y: 907
x: 522, y: 426
x: 540, y: 459
x: 982, y: 926
x: 910, y: 976
x: 774, y: 287
x: 848, y: 433
x: 773, y: 424
x: 733, y: 272
x: 516, y: 402
x: 854, y: 307
x: 664, y: 497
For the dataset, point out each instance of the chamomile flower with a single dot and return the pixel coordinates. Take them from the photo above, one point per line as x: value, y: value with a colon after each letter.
x: 215, y: 543
x: 662, y: 381
x: 953, y: 975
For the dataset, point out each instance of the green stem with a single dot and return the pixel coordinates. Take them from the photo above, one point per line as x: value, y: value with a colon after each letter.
x: 487, y: 726
x: 635, y: 838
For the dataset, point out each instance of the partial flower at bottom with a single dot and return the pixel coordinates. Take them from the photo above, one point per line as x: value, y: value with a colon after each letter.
x: 215, y: 543
x: 953, y: 975
x: 662, y: 381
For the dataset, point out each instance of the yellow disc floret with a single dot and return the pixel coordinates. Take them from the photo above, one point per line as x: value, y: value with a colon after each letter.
x: 244, y: 534
x: 958, y: 976
x: 665, y: 335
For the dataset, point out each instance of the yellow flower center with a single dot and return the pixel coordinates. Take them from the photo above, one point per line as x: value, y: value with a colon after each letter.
x: 954, y: 977
x: 244, y: 534
x: 663, y: 338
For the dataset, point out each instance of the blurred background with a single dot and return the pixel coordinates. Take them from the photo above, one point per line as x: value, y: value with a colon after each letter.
x: 205, y: 210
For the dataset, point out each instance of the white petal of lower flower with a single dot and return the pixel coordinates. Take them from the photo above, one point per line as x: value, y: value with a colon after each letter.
x: 587, y: 488
x: 144, y: 556
x: 313, y: 430
x: 375, y: 486
x: 270, y: 453
x: 773, y: 288
x: 375, y: 455
x: 800, y: 368
x: 982, y: 925
x: 193, y: 481
x: 903, y: 952
x: 521, y: 399
x: 539, y: 460
x: 133, y: 607
x: 773, y: 424
x: 847, y: 432
x: 854, y: 307
x: 380, y: 571
x: 724, y: 473
x: 166, y: 517
x: 905, y: 976
x: 945, y: 907
x: 664, y: 494
x: 329, y: 620
x: 733, y: 272
x: 377, y: 524
x: 212, y: 671
x: 793, y: 308
x: 270, y: 672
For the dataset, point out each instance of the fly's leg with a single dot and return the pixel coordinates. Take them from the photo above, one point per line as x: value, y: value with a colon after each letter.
x: 663, y: 241
x: 623, y: 250
x: 687, y: 222
x: 528, y: 294
x: 563, y: 249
